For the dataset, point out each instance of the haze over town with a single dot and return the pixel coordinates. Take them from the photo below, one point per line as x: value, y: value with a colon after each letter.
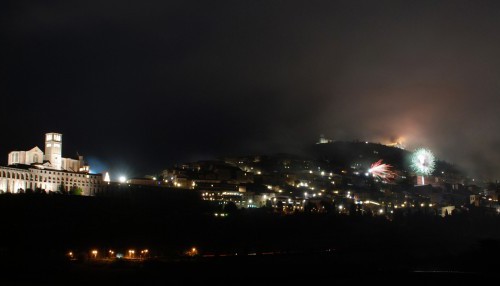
x: 138, y: 87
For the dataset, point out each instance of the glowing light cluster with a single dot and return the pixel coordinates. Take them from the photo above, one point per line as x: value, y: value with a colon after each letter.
x: 382, y: 171
x: 423, y: 162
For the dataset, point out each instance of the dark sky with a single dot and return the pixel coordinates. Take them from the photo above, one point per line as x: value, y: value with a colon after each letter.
x: 138, y: 86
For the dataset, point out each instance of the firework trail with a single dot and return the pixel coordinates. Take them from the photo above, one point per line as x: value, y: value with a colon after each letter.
x: 382, y: 171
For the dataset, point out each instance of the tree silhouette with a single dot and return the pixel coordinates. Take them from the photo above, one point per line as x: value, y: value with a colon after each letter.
x: 76, y: 191
x: 61, y: 188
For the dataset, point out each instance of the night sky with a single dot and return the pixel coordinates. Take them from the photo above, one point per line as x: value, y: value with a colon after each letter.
x: 137, y: 86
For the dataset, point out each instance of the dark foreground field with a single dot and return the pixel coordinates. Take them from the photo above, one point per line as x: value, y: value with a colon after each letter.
x: 38, y: 231
x: 286, y: 270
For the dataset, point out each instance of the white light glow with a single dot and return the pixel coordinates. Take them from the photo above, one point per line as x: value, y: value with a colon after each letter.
x: 106, y: 178
x: 423, y: 162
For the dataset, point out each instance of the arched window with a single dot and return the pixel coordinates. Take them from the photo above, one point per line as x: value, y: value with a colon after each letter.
x: 35, y: 158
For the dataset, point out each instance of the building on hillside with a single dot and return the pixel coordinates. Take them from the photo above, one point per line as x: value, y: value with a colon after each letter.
x: 52, y: 158
x: 323, y: 140
x: 49, y: 171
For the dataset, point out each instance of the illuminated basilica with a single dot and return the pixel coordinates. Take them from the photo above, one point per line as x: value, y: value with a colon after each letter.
x: 49, y: 171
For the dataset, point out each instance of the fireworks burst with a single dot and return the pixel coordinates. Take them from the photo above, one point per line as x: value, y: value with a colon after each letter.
x: 382, y: 171
x: 423, y: 162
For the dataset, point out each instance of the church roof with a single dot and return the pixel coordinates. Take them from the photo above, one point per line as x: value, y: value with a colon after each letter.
x: 36, y: 149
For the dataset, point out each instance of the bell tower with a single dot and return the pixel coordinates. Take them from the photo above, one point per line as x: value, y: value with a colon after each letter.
x: 53, y: 149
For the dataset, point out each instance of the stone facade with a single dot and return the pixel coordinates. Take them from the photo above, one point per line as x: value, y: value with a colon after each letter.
x: 32, y: 156
x: 48, y: 171
x: 21, y: 178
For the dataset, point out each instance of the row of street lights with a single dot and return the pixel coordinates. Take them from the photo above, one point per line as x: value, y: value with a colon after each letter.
x: 111, y: 254
x: 130, y: 254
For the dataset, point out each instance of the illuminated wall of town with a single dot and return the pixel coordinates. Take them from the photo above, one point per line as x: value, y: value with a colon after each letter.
x: 50, y: 172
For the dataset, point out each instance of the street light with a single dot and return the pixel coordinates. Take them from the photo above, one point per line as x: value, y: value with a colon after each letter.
x: 94, y: 253
x: 192, y: 252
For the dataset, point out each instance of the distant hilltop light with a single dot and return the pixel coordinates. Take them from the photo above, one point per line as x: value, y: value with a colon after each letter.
x: 323, y: 140
x: 399, y: 143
